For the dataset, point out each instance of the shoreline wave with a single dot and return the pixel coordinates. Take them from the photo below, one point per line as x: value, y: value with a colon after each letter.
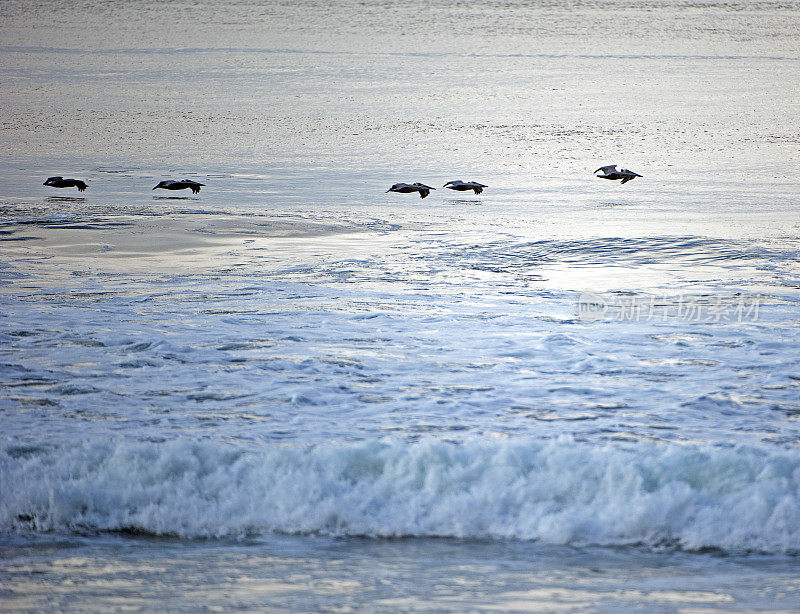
x: 560, y: 492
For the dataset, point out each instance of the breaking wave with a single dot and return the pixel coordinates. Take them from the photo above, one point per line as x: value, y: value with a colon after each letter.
x: 558, y: 492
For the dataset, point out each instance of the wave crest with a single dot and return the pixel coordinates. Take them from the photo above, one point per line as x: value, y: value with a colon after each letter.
x: 558, y: 492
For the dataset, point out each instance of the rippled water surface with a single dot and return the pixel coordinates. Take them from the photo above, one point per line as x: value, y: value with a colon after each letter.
x: 584, y: 391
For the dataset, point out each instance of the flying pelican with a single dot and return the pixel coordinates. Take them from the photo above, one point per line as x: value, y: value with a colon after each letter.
x: 611, y: 172
x: 463, y: 186
x: 169, y: 184
x: 405, y: 188
x: 60, y: 182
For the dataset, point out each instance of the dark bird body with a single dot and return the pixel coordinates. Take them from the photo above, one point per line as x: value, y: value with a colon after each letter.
x: 463, y: 186
x: 611, y: 172
x: 60, y: 182
x: 407, y: 188
x: 169, y: 184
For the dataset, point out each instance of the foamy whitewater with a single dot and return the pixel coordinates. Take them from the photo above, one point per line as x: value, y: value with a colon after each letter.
x: 295, y: 391
x: 559, y: 492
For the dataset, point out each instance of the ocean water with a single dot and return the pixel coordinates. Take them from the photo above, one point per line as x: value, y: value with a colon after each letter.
x: 295, y: 391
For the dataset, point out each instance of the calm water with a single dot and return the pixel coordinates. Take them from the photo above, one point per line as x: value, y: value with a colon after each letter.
x: 297, y: 391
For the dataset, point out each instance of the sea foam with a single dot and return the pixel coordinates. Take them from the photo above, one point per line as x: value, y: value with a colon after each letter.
x: 559, y: 492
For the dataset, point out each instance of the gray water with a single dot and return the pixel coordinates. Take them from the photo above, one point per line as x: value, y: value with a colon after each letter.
x: 297, y: 391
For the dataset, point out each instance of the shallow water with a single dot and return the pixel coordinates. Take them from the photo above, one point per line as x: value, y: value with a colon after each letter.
x: 294, y: 390
x: 321, y: 574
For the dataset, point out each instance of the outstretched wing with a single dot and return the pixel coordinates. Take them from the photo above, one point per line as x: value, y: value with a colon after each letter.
x: 608, y: 169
